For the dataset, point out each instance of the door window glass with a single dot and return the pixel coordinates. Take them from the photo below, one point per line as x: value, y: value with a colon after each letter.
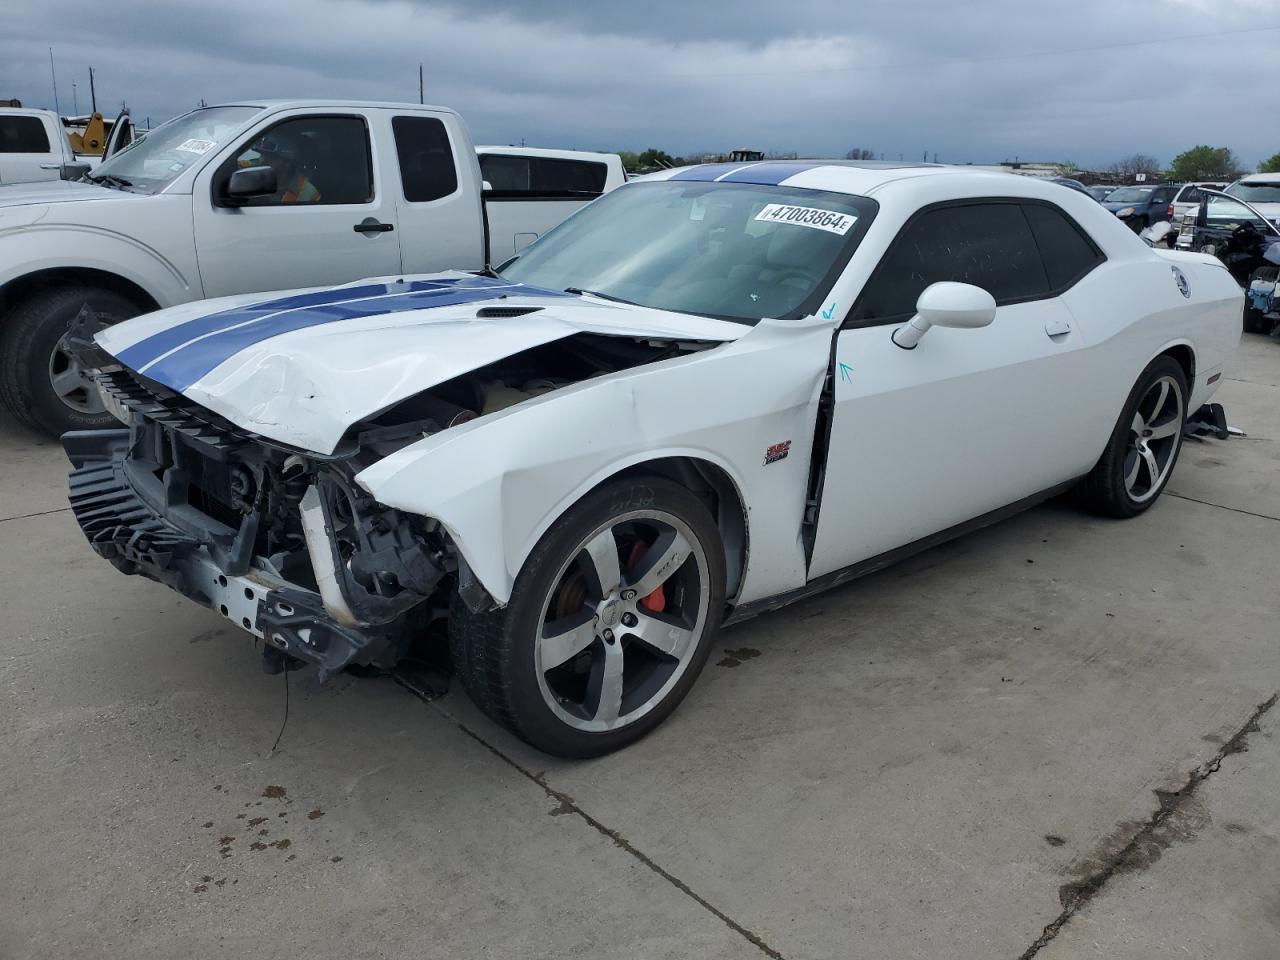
x: 989, y: 245
x: 317, y: 160
x: 426, y: 159
x: 23, y: 135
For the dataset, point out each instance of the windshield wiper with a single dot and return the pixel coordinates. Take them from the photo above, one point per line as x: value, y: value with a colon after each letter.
x: 596, y: 293
x: 111, y: 178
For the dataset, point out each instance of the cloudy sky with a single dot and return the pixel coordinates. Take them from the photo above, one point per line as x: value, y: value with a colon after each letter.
x: 983, y: 81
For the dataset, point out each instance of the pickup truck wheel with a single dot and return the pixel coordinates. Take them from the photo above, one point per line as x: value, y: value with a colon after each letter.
x: 40, y: 384
x: 610, y: 621
x: 1144, y: 446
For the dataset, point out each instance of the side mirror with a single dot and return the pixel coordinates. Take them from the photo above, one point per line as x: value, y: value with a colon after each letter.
x: 947, y: 304
x: 251, y: 182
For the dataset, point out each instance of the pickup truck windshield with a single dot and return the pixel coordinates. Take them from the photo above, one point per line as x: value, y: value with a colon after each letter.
x: 728, y: 250
x: 151, y: 163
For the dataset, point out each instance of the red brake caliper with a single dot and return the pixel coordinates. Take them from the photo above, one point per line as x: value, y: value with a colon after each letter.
x: 655, y: 602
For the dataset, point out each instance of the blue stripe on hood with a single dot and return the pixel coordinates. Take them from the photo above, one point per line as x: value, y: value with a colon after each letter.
x: 180, y: 356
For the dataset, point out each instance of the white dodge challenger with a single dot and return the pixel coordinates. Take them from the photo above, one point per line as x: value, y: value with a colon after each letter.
x: 706, y: 394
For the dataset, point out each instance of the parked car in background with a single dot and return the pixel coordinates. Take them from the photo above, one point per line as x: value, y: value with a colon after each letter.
x: 35, y: 146
x: 1141, y: 206
x: 1187, y: 199
x: 705, y: 395
x: 535, y: 180
x: 232, y: 199
x: 1261, y: 191
x: 1248, y: 244
x: 1075, y: 185
x: 1100, y: 192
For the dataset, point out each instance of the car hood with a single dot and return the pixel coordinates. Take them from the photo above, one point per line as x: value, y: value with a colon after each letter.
x: 57, y: 191
x: 301, y: 367
x: 1114, y: 205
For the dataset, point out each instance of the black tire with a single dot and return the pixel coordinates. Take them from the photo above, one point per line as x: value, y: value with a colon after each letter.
x: 28, y: 337
x: 1255, y: 321
x: 1137, y: 224
x: 1104, y: 489
x: 494, y: 651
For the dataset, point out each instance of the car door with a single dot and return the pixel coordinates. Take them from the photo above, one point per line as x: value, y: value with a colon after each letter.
x: 331, y: 220
x: 1161, y: 203
x: 970, y: 420
x: 26, y: 151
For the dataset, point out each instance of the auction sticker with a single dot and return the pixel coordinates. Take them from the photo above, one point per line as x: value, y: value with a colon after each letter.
x: 196, y: 146
x: 833, y: 221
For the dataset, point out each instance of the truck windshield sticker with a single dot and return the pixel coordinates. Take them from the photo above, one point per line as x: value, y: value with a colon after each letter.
x: 196, y: 146
x: 833, y: 221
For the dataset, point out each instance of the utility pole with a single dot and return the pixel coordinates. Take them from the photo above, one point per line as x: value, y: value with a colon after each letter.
x: 93, y: 93
x: 75, y: 101
x: 421, y: 91
x: 54, y: 75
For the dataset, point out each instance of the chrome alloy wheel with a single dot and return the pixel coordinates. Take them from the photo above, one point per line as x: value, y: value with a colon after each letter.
x: 73, y: 386
x: 1153, y: 439
x: 622, y: 620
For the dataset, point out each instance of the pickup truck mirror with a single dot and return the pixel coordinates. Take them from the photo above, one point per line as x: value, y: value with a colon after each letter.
x: 251, y: 182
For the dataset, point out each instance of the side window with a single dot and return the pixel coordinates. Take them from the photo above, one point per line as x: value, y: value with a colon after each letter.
x: 23, y: 135
x: 426, y: 158
x: 986, y: 244
x: 543, y: 176
x: 1189, y: 195
x: 317, y: 160
x: 1067, y: 253
x: 1162, y: 197
x: 506, y: 174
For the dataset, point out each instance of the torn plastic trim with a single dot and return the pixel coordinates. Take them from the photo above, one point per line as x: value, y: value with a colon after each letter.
x: 324, y: 557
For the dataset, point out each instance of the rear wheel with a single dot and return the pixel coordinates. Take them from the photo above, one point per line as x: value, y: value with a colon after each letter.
x: 40, y: 382
x: 609, y: 624
x: 1144, y: 446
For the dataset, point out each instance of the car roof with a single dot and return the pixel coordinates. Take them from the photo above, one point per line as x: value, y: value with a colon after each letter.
x: 1260, y: 178
x: 858, y: 177
x: 285, y: 104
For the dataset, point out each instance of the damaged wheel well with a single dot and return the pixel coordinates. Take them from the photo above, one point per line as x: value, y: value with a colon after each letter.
x: 715, y: 488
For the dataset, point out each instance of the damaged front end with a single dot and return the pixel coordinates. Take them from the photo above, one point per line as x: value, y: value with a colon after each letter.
x: 282, y: 541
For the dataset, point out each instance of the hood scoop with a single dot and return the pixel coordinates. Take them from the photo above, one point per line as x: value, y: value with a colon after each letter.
x: 498, y: 313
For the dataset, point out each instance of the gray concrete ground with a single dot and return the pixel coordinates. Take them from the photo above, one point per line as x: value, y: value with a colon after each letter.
x: 1052, y: 737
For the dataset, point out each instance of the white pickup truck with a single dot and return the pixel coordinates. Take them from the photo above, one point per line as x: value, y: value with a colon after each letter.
x: 240, y: 198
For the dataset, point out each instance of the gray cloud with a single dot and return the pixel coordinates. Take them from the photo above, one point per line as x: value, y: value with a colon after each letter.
x: 978, y: 82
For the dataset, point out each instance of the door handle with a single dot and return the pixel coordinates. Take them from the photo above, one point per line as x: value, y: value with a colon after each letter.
x: 1057, y: 328
x: 50, y: 166
x: 369, y: 226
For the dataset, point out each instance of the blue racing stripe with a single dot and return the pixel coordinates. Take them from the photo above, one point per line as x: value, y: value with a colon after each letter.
x: 770, y: 173
x: 192, y: 361
x: 149, y: 349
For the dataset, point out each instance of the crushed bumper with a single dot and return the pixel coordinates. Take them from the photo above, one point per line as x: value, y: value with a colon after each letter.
x: 171, y: 546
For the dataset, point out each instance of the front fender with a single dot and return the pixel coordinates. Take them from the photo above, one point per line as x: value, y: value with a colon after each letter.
x: 54, y: 243
x: 498, y: 483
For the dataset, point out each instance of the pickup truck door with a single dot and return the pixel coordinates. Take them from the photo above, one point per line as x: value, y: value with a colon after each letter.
x: 331, y: 220
x: 31, y: 149
x: 969, y: 421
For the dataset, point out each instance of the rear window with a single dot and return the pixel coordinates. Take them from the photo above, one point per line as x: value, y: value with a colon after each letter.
x: 23, y: 135
x: 514, y: 176
x: 427, y: 171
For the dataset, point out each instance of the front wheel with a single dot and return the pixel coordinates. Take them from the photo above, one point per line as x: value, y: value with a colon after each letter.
x: 40, y: 382
x: 1142, y: 451
x: 609, y: 624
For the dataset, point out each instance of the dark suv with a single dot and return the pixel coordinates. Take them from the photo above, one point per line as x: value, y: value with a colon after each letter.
x: 1142, y: 205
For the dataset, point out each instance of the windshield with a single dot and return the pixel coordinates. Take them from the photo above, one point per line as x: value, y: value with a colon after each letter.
x: 734, y: 251
x: 152, y: 162
x: 1129, y: 195
x: 1255, y: 192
